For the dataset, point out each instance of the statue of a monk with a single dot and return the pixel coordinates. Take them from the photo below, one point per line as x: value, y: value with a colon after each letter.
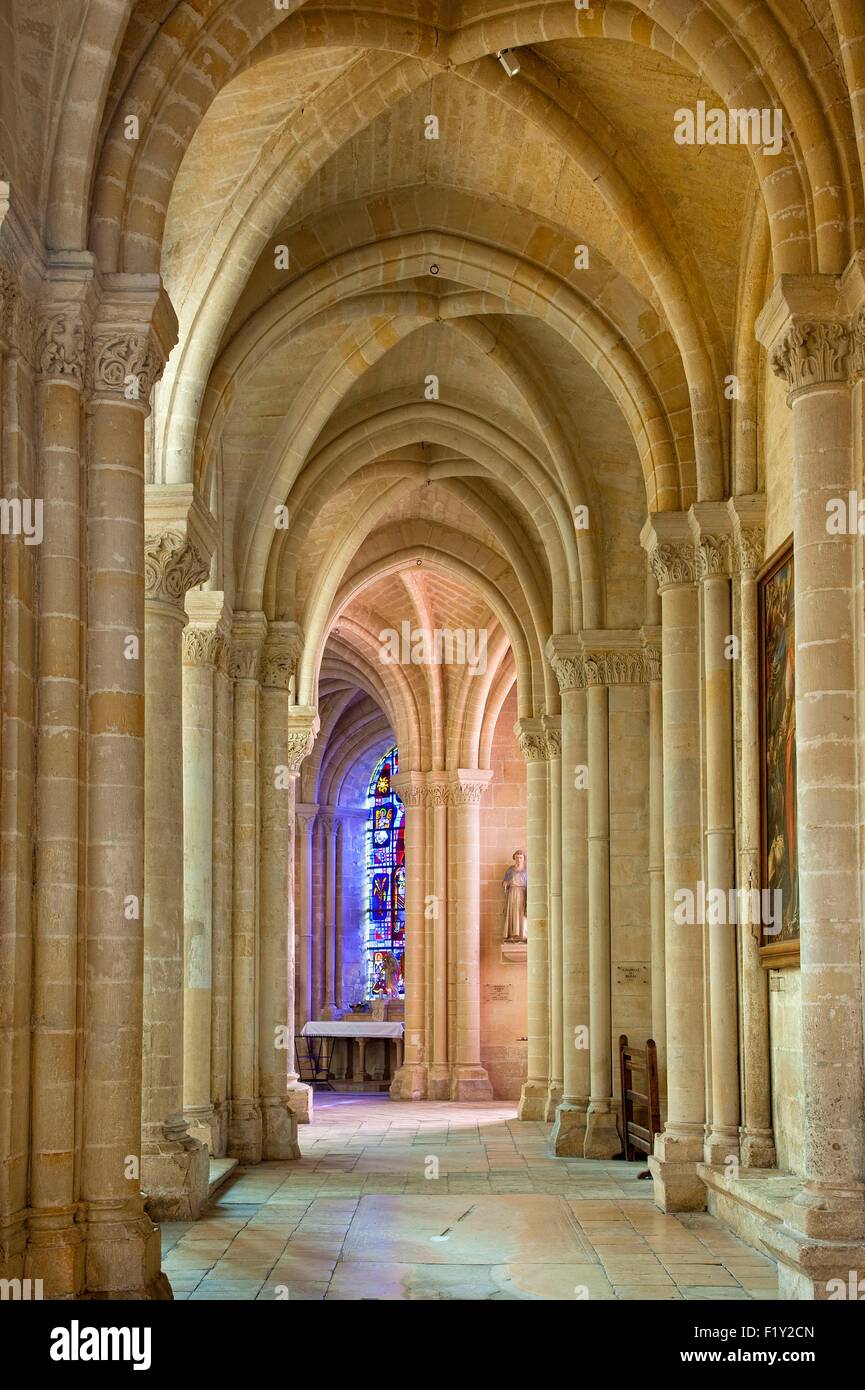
x: 514, y: 884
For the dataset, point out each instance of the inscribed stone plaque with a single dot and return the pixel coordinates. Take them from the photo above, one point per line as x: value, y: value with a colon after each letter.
x: 498, y: 994
x: 632, y: 975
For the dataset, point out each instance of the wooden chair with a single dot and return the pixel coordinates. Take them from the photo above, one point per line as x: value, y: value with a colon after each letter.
x: 314, y: 1057
x: 641, y: 1110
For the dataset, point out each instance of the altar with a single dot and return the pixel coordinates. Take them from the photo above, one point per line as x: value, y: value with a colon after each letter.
x: 350, y: 1054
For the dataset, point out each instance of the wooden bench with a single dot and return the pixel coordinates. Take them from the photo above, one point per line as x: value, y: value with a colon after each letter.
x: 641, y: 1110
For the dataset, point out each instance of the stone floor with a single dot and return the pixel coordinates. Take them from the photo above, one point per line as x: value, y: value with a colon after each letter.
x: 446, y: 1201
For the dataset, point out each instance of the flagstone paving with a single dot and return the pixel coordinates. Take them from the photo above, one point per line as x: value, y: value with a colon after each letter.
x: 439, y: 1200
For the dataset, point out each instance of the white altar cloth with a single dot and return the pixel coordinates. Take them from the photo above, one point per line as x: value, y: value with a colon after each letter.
x: 325, y: 1029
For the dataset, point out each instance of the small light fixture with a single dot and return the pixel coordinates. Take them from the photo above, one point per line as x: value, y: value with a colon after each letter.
x: 433, y: 270
x: 509, y: 61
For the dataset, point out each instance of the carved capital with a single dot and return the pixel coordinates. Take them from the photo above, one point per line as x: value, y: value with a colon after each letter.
x: 63, y: 344
x: 125, y: 364
x: 673, y: 563
x: 305, y: 815
x: 247, y: 641
x: 411, y: 788
x: 204, y: 645
x: 812, y: 352
x: 281, y: 651
x: 750, y: 549
x: 610, y: 667
x: 438, y: 793
x: 298, y: 745
x: 412, y: 795
x: 857, y: 331
x: 569, y: 672
x: 553, y: 734
x: 713, y: 556
x: 303, y: 726
x: 652, y: 659
x: 467, y: 786
x: 172, y: 564
x: 531, y: 739
x: 17, y: 315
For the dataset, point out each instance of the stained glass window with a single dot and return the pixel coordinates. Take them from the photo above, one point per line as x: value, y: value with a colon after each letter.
x: 385, y: 877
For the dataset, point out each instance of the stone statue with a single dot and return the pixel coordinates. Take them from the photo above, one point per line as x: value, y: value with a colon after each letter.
x: 514, y: 884
x: 391, y: 975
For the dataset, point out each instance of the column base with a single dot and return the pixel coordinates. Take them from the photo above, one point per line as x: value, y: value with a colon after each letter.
x: 533, y: 1100
x: 300, y: 1103
x: 602, y: 1134
x: 55, y: 1252
x: 569, y: 1130
x: 438, y: 1083
x: 175, y: 1176
x: 200, y: 1123
x: 470, y: 1083
x: 673, y: 1166
x: 757, y: 1148
x: 330, y: 1013
x: 825, y: 1213
x: 123, y: 1259
x: 409, y: 1083
x: 554, y: 1100
x: 244, y: 1132
x: 816, y: 1270
x: 220, y: 1128
x: 721, y: 1146
x: 278, y: 1132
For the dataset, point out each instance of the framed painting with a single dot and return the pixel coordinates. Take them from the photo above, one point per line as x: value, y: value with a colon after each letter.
x: 779, y: 858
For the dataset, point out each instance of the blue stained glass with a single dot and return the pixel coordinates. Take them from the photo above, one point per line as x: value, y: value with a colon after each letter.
x: 385, y: 877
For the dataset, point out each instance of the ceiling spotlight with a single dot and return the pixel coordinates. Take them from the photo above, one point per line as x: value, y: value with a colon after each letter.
x: 433, y: 270
x: 509, y: 61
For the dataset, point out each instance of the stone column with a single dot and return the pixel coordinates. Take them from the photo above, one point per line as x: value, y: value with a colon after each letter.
x: 469, y: 1080
x: 244, y: 1133
x: 56, y: 1250
x: 569, y: 1130
x: 223, y: 874
x: 305, y: 820
x: 438, y: 1078
x: 553, y: 730
x: 328, y: 825
x: 177, y: 544
x: 679, y: 1148
x: 410, y: 1082
x: 19, y: 614
x: 814, y: 347
x: 203, y: 640
x: 135, y: 330
x: 532, y: 742
x: 281, y: 755
x: 756, y: 1137
x: 317, y: 915
x: 602, y: 1135
x: 652, y: 656
x: 710, y: 525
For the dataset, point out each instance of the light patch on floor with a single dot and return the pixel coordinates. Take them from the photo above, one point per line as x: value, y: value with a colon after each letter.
x: 363, y: 1216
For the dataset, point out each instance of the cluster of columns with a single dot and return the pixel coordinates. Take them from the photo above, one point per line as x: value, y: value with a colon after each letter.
x: 328, y: 889
x: 79, y: 355
x: 570, y: 1056
x: 715, y: 990
x: 271, y: 737
x: 442, y: 1051
x: 152, y: 959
